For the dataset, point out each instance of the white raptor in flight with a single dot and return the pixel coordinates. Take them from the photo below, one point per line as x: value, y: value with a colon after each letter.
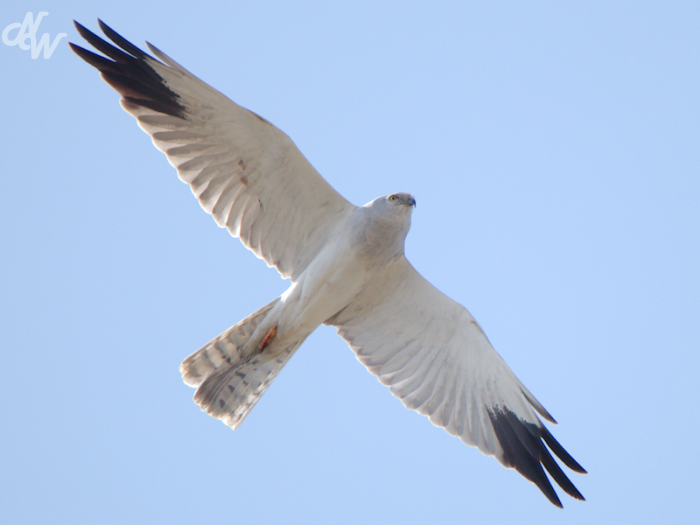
x: 346, y: 265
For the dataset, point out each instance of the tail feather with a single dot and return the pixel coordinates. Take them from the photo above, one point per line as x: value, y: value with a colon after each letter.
x: 231, y: 393
x: 224, y: 351
x: 228, y: 381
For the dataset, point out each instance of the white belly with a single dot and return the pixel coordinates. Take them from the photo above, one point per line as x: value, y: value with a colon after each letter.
x: 329, y: 284
x: 351, y: 258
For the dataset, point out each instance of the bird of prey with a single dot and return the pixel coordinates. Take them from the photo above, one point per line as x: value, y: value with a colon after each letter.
x: 346, y: 265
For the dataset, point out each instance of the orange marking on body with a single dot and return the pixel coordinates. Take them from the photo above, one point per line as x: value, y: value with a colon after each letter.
x: 272, y: 332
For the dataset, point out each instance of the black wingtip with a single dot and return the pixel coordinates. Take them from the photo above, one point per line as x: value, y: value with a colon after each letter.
x: 97, y: 61
x: 80, y: 28
x: 84, y: 31
x: 524, y: 449
x: 130, y: 71
x: 561, y: 453
x: 123, y: 42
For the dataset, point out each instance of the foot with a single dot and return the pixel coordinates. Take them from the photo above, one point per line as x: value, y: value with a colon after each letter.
x: 272, y: 332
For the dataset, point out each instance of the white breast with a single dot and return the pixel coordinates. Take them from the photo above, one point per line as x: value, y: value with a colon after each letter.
x: 340, y: 271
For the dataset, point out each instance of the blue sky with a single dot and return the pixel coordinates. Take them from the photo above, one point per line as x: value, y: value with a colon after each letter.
x: 558, y: 142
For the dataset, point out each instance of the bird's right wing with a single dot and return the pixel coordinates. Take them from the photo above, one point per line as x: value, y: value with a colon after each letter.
x: 437, y: 360
x: 244, y: 171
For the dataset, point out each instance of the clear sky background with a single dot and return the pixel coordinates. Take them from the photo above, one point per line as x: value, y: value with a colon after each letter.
x: 554, y: 153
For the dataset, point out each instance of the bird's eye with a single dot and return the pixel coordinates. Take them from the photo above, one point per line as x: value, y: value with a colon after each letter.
x: 393, y: 198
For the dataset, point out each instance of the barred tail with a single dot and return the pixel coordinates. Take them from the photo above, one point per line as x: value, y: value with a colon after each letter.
x: 228, y: 382
x: 224, y: 351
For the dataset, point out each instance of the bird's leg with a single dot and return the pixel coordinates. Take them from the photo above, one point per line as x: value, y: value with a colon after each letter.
x: 272, y: 332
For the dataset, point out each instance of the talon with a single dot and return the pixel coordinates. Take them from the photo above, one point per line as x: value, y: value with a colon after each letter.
x: 272, y: 332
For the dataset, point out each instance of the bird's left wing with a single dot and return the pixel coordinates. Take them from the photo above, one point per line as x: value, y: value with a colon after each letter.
x: 244, y: 171
x: 437, y: 360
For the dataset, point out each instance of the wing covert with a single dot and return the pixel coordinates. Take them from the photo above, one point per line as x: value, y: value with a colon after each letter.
x: 244, y: 171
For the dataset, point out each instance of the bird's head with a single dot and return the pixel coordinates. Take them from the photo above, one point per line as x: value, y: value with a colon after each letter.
x: 401, y: 199
x: 386, y: 220
x: 393, y: 205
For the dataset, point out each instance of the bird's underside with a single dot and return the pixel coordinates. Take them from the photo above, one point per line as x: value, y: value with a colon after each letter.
x: 346, y: 266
